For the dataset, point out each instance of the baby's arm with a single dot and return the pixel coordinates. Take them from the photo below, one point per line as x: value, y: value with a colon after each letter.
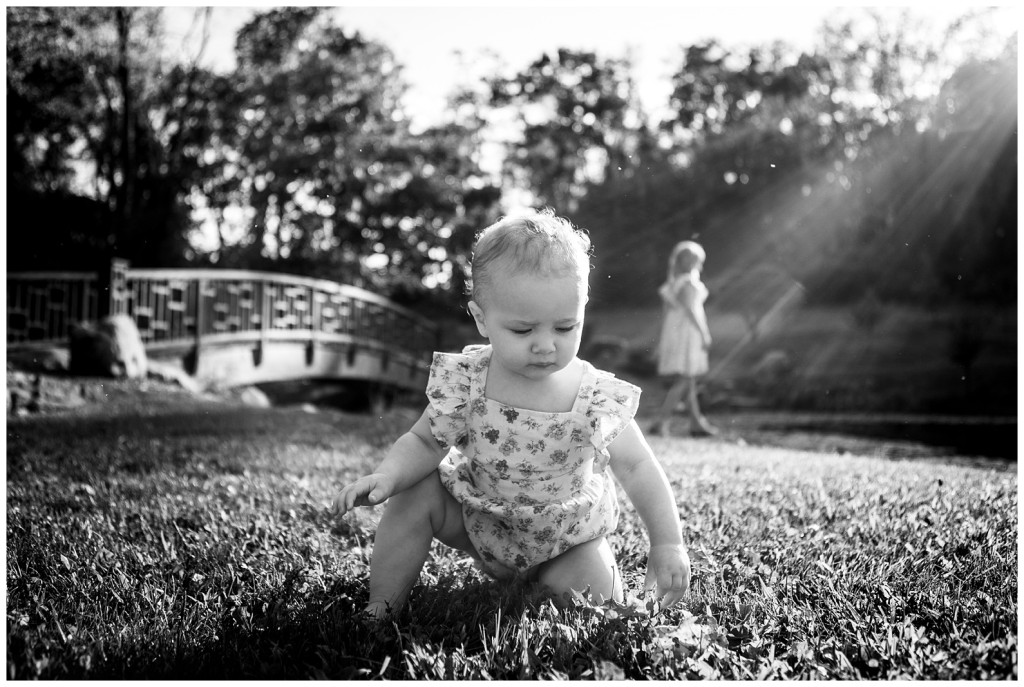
x: 412, y: 457
x: 644, y: 481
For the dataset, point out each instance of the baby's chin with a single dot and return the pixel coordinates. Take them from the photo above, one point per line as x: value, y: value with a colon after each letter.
x: 542, y: 370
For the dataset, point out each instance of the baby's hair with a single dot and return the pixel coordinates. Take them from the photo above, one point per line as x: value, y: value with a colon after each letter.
x: 533, y: 241
x: 685, y: 256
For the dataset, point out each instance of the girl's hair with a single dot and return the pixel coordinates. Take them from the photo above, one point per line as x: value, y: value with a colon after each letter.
x: 685, y: 256
x: 530, y: 241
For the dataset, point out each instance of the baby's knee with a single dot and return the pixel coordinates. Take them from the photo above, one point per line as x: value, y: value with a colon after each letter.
x: 427, y: 501
x: 588, y: 566
x: 417, y: 500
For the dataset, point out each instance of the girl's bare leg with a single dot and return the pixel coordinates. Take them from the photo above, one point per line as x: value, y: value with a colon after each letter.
x: 589, y: 565
x: 700, y: 425
x: 412, y: 520
x: 672, y: 399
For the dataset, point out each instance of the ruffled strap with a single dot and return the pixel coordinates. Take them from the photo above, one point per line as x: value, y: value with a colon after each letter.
x: 449, y: 388
x: 613, y: 404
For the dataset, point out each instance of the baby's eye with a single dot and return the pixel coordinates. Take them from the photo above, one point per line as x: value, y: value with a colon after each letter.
x: 566, y: 330
x: 521, y: 332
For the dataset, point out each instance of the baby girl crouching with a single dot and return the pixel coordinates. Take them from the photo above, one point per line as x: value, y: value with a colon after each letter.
x: 513, y: 459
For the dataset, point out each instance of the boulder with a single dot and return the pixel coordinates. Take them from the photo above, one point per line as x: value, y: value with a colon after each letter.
x: 111, y: 347
x: 168, y: 372
x: 251, y: 396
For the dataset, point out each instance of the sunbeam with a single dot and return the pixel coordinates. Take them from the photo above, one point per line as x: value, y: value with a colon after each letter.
x: 901, y: 213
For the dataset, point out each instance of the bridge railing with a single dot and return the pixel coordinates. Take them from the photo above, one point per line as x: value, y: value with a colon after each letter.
x: 176, y: 309
x: 42, y: 306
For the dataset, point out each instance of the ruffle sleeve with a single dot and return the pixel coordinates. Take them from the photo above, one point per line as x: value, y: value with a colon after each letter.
x: 612, y: 407
x: 448, y: 391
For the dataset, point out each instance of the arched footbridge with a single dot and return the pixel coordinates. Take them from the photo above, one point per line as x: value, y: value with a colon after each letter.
x: 233, y: 327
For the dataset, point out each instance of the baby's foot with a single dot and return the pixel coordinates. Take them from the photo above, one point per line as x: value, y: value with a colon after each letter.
x: 377, y: 610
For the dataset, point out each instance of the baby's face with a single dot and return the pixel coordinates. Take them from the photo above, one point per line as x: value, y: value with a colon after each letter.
x: 534, y: 322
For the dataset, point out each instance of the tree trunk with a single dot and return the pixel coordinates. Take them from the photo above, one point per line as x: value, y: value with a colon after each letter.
x: 125, y: 191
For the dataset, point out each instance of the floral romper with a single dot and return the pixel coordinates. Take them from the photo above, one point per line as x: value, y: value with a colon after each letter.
x: 532, y: 484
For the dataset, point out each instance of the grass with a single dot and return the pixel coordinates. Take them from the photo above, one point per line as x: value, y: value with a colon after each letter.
x: 191, y: 541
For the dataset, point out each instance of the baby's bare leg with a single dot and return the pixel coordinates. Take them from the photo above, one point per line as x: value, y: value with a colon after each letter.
x: 411, y: 521
x: 591, y: 564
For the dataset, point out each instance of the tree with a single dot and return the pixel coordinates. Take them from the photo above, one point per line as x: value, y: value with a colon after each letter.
x: 741, y: 123
x: 976, y: 120
x: 48, y: 98
x: 87, y: 117
x: 49, y: 106
x: 831, y: 165
x: 928, y: 163
x: 301, y: 159
x: 317, y: 159
x: 580, y: 121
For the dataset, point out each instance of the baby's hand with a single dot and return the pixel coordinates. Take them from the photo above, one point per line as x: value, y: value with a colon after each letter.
x: 365, y: 491
x: 668, y: 568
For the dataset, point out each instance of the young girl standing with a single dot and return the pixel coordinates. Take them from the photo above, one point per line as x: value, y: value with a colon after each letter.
x: 512, y: 460
x: 685, y: 337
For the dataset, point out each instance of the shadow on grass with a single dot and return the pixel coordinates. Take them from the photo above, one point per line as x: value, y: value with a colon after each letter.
x: 225, y: 421
x: 140, y: 443
x: 323, y: 635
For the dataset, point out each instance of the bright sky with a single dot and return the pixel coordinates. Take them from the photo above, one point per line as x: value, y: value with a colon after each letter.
x: 425, y: 38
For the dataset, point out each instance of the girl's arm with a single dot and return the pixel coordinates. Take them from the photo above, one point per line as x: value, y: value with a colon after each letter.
x: 688, y: 301
x: 644, y: 481
x: 668, y: 295
x: 412, y: 457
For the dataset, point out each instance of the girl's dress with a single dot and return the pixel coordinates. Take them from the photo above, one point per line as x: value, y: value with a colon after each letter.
x: 681, y: 347
x: 532, y: 484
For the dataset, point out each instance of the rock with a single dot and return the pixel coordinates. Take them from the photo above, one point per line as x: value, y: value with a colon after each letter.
x: 55, y: 393
x: 22, y: 392
x: 38, y: 360
x: 251, y: 396
x: 166, y: 372
x: 111, y: 347
x: 29, y: 393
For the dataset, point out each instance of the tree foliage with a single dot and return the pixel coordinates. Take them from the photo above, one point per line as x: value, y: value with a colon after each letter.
x: 94, y: 112
x: 840, y: 167
x: 580, y: 121
x: 319, y: 154
x: 831, y: 166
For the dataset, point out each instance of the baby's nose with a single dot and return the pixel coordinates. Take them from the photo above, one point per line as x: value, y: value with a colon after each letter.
x: 544, y: 345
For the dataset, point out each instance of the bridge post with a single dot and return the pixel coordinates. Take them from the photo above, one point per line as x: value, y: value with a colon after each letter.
x: 113, y: 288
x: 192, y: 361
x: 265, y: 321
x: 313, y: 324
